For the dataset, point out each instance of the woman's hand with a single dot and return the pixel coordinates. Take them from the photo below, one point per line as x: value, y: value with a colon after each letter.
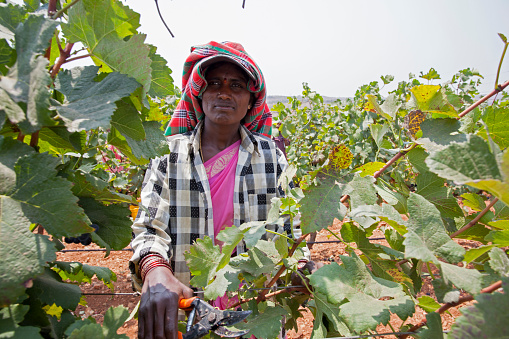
x: 158, y: 314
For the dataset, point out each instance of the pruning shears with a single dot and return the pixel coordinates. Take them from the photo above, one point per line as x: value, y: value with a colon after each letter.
x: 210, y: 319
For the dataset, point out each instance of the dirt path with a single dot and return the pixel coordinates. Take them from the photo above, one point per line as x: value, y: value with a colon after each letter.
x: 117, y: 262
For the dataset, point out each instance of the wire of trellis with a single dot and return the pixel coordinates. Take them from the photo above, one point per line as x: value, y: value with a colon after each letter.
x: 379, y: 335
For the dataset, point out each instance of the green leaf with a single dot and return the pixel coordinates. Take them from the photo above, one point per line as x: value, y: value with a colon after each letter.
x: 473, y: 164
x: 39, y: 195
x: 466, y: 279
x: 162, y: 82
x: 11, y: 16
x: 60, y: 138
x: 499, y: 262
x: 353, y: 286
x: 153, y: 145
x: 393, y: 198
x: 373, y: 101
x: 264, y: 325
x: 332, y: 312
x: 322, y: 203
x: 79, y: 272
x: 231, y: 237
x: 378, y: 132
x: 474, y: 201
x: 427, y: 237
x: 431, y: 98
x: 428, y: 304
x: 114, y: 318
x: 391, y: 105
x: 91, y: 330
x: 90, y: 104
x: 108, y: 30
x: 50, y: 289
x: 362, y: 191
x: 113, y: 221
x: 497, y: 121
x: 24, y: 93
x: 434, y: 327
x: 258, y: 261
x: 127, y: 120
x: 474, y: 253
x: 32, y: 5
x: 445, y: 291
x: 89, y: 186
x: 226, y: 280
x: 7, y: 56
x: 500, y: 238
x: 440, y: 133
x: 432, y: 188
x: 203, y: 259
x: 487, y: 318
x: 385, y: 212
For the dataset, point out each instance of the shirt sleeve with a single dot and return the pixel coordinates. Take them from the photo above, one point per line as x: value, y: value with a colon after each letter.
x: 150, y: 227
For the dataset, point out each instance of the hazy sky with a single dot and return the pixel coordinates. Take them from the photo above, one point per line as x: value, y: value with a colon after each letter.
x: 335, y: 45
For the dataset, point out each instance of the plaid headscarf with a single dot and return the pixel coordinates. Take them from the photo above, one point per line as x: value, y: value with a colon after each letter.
x: 189, y: 112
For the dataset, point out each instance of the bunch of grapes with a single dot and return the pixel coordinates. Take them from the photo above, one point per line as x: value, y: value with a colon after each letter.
x: 84, y: 239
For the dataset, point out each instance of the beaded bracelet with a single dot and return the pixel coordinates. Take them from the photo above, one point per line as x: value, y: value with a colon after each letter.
x: 151, y: 261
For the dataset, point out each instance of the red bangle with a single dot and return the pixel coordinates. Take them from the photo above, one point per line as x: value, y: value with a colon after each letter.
x: 301, y: 263
x: 151, y: 261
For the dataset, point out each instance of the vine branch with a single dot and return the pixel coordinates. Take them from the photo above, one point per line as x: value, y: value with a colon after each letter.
x: 64, y: 54
x: 63, y: 10
x: 490, y: 289
x: 476, y: 219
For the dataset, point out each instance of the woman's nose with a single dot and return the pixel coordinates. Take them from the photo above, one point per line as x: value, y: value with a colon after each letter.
x: 224, y: 91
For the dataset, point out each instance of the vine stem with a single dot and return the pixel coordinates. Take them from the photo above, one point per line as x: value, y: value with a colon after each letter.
x: 77, y: 58
x: 483, y: 99
x: 476, y: 219
x: 501, y: 60
x: 393, y: 160
x: 64, y: 54
x: 63, y: 10
x: 490, y: 289
x: 261, y: 295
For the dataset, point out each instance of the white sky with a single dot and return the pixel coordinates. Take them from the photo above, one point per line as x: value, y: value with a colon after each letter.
x: 337, y: 45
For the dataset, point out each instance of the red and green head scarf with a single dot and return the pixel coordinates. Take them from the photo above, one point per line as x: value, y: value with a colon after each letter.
x: 189, y: 112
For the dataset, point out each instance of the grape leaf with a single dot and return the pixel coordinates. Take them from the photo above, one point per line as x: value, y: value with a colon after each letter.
x: 79, y: 272
x: 474, y: 201
x: 377, y: 109
x: 203, y: 259
x: 370, y: 168
x: 226, y: 280
x: 89, y: 186
x: 362, y: 191
x: 266, y: 324
x: 445, y: 291
x: 114, y: 318
x: 332, y: 312
x: 162, y: 82
x: 466, y: 279
x: 473, y: 164
x: 322, y: 203
x: 353, y: 286
x: 499, y: 262
x: 113, y: 221
x: 439, y: 133
x: 426, y: 235
x: 500, y: 238
x: 261, y: 259
x: 11, y: 15
x: 90, y: 104
x: 474, y: 253
x: 50, y: 289
x: 487, y: 318
x: 24, y: 91
x: 153, y: 145
x: 7, y: 56
x: 127, y: 120
x: 497, y: 121
x: 432, y: 188
x: 39, y: 195
x: 385, y: 212
x: 433, y: 328
x: 108, y: 30
x: 60, y: 138
x: 428, y: 304
x: 431, y: 98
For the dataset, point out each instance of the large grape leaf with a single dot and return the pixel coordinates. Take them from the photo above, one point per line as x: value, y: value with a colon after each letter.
x: 426, y: 237
x: 202, y: 259
x: 108, y: 30
x: 37, y: 193
x: 127, y: 120
x: 473, y: 164
x: 11, y: 15
x: 466, y: 279
x: 353, y: 286
x: 113, y: 221
x: 226, y: 280
x: 60, y: 138
x: 90, y: 104
x: 331, y: 311
x: 439, y: 133
x: 497, y: 121
x: 432, y: 188
x: 431, y: 98
x: 487, y: 318
x: 24, y: 93
x: 89, y: 186
x: 162, y: 82
x: 385, y: 212
x: 266, y: 324
x: 50, y: 289
x: 322, y: 203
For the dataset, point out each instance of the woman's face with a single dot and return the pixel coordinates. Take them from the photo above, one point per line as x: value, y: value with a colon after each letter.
x: 226, y: 99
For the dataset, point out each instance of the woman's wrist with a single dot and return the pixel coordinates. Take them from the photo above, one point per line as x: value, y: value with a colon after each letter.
x: 150, y: 262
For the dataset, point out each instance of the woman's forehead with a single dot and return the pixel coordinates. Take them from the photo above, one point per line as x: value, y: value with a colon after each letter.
x: 224, y: 68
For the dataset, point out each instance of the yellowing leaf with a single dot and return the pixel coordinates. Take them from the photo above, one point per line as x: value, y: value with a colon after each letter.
x: 53, y: 310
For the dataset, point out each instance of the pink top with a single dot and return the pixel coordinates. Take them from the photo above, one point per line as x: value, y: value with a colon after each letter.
x: 221, y: 174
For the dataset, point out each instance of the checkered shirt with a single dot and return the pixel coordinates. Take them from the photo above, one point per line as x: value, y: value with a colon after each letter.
x: 176, y: 195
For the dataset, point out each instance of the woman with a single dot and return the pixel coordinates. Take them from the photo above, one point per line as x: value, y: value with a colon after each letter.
x: 222, y: 169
